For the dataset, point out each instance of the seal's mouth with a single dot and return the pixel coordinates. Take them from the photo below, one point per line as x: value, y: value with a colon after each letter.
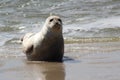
x: 57, y: 26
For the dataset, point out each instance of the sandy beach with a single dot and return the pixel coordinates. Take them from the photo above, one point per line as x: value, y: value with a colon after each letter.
x: 84, y: 61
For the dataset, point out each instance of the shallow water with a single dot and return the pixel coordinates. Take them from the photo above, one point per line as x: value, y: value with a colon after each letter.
x: 91, y: 31
x: 86, y: 61
x: 81, y: 18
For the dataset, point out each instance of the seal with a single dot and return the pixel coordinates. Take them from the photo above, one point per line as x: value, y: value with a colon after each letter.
x: 46, y: 45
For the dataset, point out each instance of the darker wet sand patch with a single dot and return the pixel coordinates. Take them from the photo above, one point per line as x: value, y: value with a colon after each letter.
x: 88, y: 61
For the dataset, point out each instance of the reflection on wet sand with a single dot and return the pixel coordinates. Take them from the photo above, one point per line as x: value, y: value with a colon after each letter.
x: 19, y: 69
x: 47, y: 71
x: 84, y: 61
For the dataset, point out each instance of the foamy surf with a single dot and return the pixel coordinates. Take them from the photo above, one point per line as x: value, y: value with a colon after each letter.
x: 107, y: 27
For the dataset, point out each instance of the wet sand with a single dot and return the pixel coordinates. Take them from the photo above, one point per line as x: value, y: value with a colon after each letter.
x: 84, y: 61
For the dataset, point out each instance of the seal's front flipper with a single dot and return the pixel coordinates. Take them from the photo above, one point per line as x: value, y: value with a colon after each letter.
x: 28, y: 50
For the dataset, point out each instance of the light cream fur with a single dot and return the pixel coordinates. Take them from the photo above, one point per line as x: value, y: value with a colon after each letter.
x: 38, y: 46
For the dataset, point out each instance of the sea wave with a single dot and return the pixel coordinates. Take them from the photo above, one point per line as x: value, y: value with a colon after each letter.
x: 109, y: 27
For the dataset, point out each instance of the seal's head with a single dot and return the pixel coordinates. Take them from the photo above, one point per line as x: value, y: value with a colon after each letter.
x: 54, y: 23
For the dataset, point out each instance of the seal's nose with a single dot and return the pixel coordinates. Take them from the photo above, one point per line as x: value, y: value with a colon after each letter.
x: 57, y: 23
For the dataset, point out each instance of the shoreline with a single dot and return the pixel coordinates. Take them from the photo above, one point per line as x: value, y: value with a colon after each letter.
x: 96, y: 61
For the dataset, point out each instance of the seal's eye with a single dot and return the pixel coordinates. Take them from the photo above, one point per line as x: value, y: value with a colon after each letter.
x: 60, y: 20
x: 51, y: 20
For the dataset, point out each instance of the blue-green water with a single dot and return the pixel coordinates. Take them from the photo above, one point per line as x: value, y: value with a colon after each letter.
x: 84, y: 21
x: 81, y: 18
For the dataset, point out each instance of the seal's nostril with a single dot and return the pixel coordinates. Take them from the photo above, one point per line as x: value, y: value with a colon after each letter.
x: 56, y: 23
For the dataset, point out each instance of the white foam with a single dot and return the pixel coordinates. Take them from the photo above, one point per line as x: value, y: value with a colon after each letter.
x: 113, y: 22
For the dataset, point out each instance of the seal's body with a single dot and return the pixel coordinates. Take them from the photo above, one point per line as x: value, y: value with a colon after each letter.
x: 46, y: 45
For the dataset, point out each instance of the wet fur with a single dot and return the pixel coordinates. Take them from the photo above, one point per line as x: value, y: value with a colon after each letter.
x: 46, y: 45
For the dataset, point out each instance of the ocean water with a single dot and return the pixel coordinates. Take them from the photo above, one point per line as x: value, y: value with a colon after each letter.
x: 81, y: 19
x: 86, y: 19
